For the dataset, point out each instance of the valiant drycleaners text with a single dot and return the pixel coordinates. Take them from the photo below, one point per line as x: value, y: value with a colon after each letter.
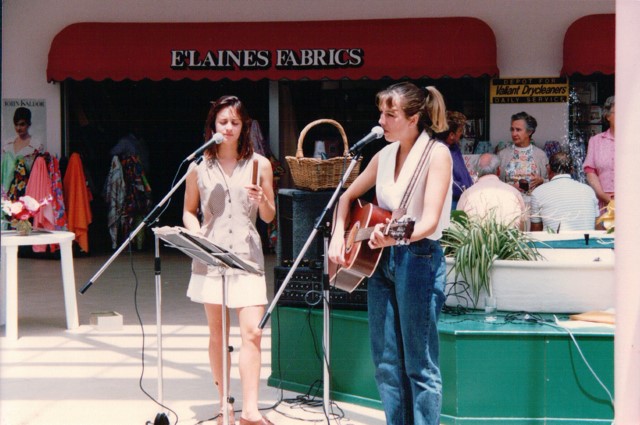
x: 529, y: 90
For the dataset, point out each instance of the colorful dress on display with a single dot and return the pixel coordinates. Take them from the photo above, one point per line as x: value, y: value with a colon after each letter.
x: 57, y: 192
x: 16, y: 167
x: 76, y: 199
x: 114, y: 193
x: 39, y: 188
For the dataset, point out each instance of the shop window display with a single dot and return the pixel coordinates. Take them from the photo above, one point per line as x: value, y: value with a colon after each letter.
x: 168, y: 115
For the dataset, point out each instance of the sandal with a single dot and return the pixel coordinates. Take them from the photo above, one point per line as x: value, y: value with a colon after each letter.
x: 232, y: 418
x: 262, y: 421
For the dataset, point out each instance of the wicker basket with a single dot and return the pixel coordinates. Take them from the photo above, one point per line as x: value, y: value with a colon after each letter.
x: 321, y: 174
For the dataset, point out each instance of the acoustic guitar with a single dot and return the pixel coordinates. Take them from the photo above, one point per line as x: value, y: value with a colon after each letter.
x: 361, y: 261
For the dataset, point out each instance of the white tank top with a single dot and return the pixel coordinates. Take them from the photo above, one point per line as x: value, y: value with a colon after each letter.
x: 389, y: 192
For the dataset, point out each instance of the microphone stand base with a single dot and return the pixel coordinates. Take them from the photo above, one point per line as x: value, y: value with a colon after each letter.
x: 161, y: 419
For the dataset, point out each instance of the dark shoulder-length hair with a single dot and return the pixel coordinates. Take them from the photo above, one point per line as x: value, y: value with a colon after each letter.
x: 245, y: 147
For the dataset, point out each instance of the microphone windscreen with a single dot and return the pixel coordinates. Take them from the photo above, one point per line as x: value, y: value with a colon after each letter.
x: 218, y: 138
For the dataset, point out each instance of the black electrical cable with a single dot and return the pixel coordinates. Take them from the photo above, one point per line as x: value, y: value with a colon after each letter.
x: 161, y: 418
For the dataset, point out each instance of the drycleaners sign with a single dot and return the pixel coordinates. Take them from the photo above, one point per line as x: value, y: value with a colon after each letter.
x: 530, y: 90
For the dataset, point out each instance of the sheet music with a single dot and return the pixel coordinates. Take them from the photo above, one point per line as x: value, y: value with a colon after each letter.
x: 202, y: 249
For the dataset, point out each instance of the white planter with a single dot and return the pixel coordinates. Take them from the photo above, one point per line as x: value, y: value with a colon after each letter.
x: 566, y: 281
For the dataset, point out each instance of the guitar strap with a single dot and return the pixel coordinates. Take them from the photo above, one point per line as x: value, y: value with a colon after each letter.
x: 411, y: 187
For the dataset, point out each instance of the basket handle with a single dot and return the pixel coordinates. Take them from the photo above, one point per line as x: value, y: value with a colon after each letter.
x: 305, y: 130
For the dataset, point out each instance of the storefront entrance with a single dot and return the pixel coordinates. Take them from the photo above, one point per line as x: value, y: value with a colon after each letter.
x: 156, y: 81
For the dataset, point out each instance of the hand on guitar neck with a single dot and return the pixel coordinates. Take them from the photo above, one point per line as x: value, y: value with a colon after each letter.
x: 361, y: 258
x: 394, y: 231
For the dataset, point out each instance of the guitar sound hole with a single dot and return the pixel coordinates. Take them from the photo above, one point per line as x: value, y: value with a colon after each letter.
x: 352, y: 236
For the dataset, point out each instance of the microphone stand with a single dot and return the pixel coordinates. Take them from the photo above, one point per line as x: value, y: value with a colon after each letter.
x: 145, y: 222
x: 325, y: 279
x: 161, y: 418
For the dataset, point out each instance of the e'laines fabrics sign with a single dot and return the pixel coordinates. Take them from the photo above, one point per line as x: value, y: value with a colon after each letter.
x: 265, y: 59
x: 529, y: 90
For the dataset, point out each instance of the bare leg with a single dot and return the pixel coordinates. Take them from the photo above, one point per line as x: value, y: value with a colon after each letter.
x: 250, y: 359
x: 214, y: 320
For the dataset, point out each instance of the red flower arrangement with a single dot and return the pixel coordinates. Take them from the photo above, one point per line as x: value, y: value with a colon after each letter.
x: 22, y: 211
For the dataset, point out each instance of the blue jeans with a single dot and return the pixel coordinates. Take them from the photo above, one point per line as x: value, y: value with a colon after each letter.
x: 405, y: 296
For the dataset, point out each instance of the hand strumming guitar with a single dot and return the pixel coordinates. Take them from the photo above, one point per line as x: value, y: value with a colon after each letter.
x: 336, y: 249
x: 354, y: 254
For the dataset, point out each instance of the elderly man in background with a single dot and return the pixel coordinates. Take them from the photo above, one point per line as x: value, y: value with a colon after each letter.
x: 461, y: 178
x: 490, y: 196
x: 563, y: 203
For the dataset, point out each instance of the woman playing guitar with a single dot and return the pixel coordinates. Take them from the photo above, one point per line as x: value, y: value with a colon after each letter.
x: 405, y: 292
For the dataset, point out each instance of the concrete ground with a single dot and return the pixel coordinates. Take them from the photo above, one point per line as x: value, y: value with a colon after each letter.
x: 92, y: 375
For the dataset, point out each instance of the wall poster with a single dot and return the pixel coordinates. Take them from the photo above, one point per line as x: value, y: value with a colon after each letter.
x: 22, y: 109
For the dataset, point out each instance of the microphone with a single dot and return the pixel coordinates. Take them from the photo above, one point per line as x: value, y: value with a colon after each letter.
x: 215, y: 139
x: 376, y: 133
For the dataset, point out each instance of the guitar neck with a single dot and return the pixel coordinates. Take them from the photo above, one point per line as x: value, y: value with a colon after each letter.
x: 363, y: 234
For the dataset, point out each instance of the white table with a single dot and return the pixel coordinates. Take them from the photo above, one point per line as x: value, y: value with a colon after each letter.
x: 10, y: 244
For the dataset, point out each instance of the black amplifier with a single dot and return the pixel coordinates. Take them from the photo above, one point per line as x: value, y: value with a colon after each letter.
x: 305, y: 290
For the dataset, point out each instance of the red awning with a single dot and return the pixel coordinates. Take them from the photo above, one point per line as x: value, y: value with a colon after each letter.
x: 373, y: 49
x: 590, y: 46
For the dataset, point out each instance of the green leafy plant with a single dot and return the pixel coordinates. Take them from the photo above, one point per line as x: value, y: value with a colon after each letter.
x: 475, y: 243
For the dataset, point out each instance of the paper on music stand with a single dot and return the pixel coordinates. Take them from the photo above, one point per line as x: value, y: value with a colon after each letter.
x: 202, y: 249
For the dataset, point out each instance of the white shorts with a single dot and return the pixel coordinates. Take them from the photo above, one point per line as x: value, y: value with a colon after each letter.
x: 243, y: 290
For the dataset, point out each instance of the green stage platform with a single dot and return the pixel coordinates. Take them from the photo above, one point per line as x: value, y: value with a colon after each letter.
x: 511, y: 371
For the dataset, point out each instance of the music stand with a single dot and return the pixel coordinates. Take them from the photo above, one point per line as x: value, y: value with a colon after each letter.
x: 205, y: 251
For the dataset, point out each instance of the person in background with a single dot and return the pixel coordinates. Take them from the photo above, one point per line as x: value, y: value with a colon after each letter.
x: 523, y: 165
x: 601, y: 151
x: 461, y: 178
x: 491, y: 197
x: 563, y: 203
x: 405, y: 292
x: 221, y: 190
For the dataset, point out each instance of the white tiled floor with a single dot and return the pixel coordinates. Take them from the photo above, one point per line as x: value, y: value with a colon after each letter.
x: 86, y: 376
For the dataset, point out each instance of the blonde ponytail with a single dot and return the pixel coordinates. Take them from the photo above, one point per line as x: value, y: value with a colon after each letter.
x: 426, y: 102
x: 436, y: 109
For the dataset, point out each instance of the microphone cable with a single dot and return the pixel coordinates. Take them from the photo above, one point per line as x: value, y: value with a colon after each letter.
x: 160, y: 419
